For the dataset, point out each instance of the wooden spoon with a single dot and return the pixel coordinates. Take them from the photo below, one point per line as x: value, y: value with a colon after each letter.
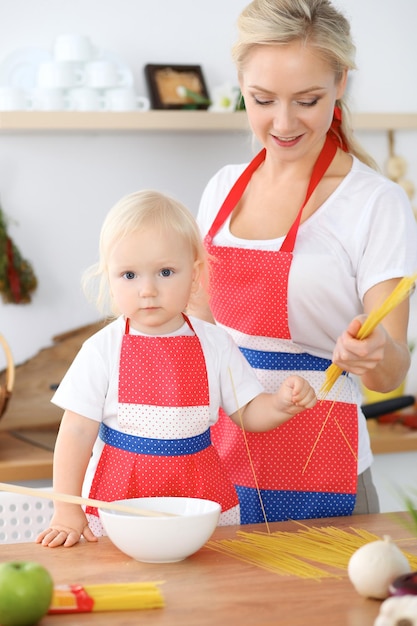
x: 101, y: 504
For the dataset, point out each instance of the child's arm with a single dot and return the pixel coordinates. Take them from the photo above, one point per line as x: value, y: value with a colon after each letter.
x: 268, y: 410
x: 73, y: 448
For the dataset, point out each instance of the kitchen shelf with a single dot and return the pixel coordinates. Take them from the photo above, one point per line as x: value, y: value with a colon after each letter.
x: 173, y: 120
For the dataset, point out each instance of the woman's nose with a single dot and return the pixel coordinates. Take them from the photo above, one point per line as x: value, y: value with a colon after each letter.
x: 283, y: 120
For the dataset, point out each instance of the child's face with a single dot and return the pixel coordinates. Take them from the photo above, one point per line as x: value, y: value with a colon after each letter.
x: 151, y: 275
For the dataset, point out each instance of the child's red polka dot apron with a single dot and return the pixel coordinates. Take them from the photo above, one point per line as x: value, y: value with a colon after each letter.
x: 249, y: 298
x: 163, y: 391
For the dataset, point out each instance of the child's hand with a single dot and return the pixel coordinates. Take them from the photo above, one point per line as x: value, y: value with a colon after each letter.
x: 297, y: 394
x: 269, y: 410
x: 59, y: 534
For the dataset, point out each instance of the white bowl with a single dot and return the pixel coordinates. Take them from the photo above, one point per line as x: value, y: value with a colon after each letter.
x: 162, y: 539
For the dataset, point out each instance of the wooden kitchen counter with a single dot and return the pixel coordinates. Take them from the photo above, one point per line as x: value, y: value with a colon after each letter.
x: 391, y: 438
x: 213, y: 589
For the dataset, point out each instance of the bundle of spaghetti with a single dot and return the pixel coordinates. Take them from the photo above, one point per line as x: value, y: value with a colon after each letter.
x: 261, y: 553
x: 299, y: 553
x: 403, y: 289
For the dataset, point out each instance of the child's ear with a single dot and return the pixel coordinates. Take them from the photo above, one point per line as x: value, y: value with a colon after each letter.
x: 196, y: 279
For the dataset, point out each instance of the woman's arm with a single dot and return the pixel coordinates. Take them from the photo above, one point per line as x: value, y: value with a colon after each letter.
x: 73, y: 448
x: 382, y: 359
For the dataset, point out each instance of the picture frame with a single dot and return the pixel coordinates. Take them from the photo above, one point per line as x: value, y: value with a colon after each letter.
x: 163, y: 81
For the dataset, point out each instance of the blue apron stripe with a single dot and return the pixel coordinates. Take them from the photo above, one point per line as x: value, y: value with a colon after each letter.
x: 155, y: 447
x: 261, y: 360
x: 283, y: 505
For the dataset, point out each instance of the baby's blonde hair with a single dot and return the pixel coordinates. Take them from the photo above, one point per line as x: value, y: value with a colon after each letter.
x: 316, y: 23
x: 136, y: 211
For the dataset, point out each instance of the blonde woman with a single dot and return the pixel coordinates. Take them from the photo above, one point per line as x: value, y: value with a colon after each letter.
x: 307, y: 239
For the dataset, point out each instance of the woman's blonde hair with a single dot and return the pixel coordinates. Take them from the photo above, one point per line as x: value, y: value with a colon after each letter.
x: 137, y: 211
x: 317, y: 23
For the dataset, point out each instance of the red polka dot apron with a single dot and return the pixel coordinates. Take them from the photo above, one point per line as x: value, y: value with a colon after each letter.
x: 163, y: 392
x: 307, y: 467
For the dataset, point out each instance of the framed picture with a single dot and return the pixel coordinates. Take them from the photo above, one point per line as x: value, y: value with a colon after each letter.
x: 164, y: 80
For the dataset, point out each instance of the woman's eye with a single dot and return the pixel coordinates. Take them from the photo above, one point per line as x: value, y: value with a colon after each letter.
x: 166, y: 272
x: 129, y: 275
x: 309, y: 103
x: 262, y: 102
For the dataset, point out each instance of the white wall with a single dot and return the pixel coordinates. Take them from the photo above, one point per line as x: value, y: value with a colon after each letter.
x: 57, y: 187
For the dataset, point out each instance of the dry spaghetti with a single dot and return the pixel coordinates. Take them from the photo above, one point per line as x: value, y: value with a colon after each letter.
x: 300, y: 553
x: 400, y: 293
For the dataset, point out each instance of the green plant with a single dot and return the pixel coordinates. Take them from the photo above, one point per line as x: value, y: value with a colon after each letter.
x: 411, y: 522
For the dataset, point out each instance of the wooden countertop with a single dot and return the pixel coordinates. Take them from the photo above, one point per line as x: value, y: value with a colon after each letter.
x: 390, y: 438
x: 212, y: 589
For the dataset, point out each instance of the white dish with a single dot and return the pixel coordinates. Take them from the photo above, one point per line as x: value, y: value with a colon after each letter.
x: 162, y: 539
x: 20, y: 68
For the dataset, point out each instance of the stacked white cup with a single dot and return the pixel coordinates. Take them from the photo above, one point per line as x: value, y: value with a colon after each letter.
x: 77, y: 79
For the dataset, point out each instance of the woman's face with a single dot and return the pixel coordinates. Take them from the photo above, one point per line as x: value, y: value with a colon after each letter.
x: 290, y: 93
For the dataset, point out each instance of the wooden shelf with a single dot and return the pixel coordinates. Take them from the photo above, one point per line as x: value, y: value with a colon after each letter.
x: 189, y: 121
x: 126, y: 121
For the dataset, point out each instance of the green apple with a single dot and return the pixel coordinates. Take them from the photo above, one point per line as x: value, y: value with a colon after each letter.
x: 26, y: 591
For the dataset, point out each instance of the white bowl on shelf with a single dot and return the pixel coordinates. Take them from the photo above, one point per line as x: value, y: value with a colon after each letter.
x: 164, y: 539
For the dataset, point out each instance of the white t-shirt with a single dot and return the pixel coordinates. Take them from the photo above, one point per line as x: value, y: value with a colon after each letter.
x: 90, y: 386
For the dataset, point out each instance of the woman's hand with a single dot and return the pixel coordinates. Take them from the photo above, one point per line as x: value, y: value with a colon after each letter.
x: 383, y: 358
x: 359, y: 356
x: 68, y: 534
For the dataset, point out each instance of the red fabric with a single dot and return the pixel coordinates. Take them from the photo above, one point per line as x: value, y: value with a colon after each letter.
x: 162, y: 371
x: 121, y: 474
x: 331, y: 468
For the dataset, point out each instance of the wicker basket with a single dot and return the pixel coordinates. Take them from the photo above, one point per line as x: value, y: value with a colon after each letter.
x: 6, y: 388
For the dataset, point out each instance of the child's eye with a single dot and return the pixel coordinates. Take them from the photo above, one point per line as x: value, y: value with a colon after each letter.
x: 129, y: 275
x: 166, y: 272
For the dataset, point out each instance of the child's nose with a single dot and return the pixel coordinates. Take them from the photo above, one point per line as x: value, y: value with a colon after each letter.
x: 147, y: 287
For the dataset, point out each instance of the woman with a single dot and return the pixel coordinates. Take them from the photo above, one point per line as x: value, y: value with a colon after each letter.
x: 307, y: 239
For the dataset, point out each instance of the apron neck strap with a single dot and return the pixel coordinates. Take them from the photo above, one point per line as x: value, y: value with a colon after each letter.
x: 236, y: 193
x: 324, y: 159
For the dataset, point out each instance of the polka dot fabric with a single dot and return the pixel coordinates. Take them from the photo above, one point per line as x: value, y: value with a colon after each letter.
x: 145, y: 420
x: 249, y: 295
x: 165, y: 371
x: 331, y: 467
x: 286, y: 505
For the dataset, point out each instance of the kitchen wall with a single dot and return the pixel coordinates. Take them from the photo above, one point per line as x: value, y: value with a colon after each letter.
x: 57, y: 187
